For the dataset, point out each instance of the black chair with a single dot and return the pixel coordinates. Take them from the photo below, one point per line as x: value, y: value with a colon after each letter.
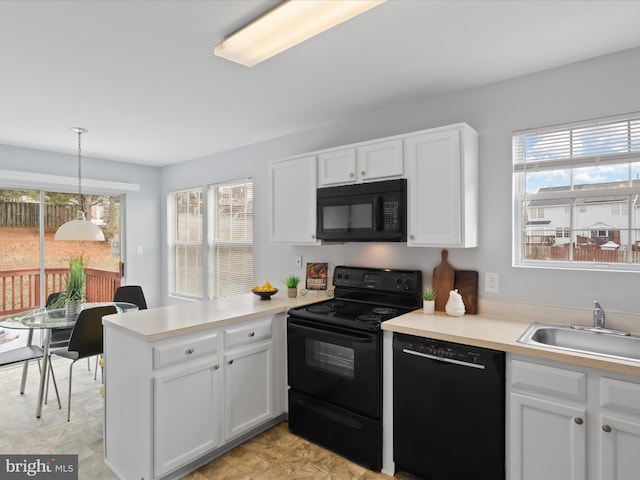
x: 59, y: 336
x: 131, y: 294
x: 85, y: 341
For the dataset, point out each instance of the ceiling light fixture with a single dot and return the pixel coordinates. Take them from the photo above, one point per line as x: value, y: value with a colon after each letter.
x: 80, y: 228
x: 289, y: 24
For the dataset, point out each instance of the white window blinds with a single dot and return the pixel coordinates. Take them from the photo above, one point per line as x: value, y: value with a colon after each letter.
x: 231, y: 238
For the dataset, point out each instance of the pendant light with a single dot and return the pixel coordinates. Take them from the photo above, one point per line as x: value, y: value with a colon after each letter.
x: 80, y: 228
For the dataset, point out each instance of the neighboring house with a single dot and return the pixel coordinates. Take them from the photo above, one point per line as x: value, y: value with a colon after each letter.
x: 598, y: 221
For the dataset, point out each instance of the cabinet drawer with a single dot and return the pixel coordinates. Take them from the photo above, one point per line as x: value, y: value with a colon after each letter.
x: 243, y: 334
x: 620, y: 395
x: 551, y: 380
x: 185, y: 350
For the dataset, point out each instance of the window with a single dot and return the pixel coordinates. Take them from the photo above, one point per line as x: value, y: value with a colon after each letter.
x: 230, y: 238
x: 585, y: 179
x: 185, y: 243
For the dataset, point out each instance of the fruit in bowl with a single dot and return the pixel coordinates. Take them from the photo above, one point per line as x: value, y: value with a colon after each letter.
x: 264, y: 291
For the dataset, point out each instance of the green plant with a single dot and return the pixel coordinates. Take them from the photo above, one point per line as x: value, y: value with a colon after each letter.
x: 76, y: 279
x: 429, y: 294
x: 291, y: 281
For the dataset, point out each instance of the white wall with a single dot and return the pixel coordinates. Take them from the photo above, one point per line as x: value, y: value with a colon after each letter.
x: 599, y: 87
x: 142, y: 214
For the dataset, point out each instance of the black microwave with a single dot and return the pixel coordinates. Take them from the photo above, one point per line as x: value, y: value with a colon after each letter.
x: 364, y: 212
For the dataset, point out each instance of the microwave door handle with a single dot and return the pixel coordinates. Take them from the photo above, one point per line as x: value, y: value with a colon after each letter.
x: 377, y: 213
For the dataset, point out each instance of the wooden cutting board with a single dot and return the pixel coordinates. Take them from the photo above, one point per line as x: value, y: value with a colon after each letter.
x: 466, y: 281
x: 443, y: 281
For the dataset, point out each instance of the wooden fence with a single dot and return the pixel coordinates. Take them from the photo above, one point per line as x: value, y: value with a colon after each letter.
x: 580, y: 254
x: 20, y: 289
x: 24, y: 214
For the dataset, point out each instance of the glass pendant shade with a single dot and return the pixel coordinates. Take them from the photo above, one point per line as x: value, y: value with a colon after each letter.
x: 80, y: 229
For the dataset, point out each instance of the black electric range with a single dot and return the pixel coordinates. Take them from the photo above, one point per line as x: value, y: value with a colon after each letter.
x: 366, y: 297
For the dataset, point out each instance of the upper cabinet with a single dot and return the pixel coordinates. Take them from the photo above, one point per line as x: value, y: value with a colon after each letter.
x: 366, y: 162
x: 441, y: 168
x: 442, y: 187
x: 292, y: 201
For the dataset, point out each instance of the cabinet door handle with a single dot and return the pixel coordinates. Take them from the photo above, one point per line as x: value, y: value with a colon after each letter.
x: 351, y: 174
x: 606, y: 428
x: 411, y: 237
x: 188, y: 351
x: 363, y: 173
x: 578, y: 420
x: 216, y: 367
x: 229, y: 362
x: 251, y: 334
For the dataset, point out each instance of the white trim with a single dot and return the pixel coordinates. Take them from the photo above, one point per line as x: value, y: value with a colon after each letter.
x: 41, y: 180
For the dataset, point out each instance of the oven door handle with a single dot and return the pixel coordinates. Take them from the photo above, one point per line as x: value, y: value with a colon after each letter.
x: 336, y: 331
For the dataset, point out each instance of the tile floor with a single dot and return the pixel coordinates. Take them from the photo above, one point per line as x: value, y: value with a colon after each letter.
x: 275, y: 454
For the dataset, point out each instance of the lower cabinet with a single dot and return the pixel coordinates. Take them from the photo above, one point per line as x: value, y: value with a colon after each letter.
x: 571, y: 422
x: 170, y: 402
x: 186, y: 414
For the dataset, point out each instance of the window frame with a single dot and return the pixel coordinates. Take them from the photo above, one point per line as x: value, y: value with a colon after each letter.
x: 577, y: 158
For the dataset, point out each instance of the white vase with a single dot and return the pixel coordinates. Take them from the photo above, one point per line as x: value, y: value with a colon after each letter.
x: 455, y: 305
x: 429, y: 306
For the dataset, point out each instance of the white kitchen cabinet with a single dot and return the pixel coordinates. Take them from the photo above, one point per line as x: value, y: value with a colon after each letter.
x: 248, y: 388
x: 186, y: 414
x: 248, y: 377
x: 171, y: 402
x: 372, y: 161
x: 442, y: 187
x: 571, y: 422
x: 292, y: 201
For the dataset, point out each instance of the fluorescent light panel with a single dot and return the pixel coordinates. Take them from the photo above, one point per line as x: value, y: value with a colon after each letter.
x: 287, y: 25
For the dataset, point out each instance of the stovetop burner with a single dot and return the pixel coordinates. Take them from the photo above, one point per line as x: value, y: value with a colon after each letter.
x: 364, y: 298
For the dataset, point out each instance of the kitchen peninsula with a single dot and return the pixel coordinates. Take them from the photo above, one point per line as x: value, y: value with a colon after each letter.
x: 185, y: 383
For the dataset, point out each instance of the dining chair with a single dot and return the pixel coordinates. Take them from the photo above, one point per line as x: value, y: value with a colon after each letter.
x: 131, y: 294
x: 85, y: 340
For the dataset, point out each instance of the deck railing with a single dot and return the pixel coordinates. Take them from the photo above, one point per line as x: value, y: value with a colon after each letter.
x: 20, y: 289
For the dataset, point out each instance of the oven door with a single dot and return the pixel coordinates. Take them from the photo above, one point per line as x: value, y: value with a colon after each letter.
x: 338, y: 365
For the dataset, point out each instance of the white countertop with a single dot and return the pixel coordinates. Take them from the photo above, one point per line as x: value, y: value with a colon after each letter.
x: 497, y: 333
x: 165, y: 322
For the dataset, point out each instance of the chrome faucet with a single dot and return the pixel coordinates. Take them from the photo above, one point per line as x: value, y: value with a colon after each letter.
x: 598, y: 315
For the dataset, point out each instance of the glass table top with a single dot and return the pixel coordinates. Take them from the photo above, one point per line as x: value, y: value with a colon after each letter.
x: 55, y: 317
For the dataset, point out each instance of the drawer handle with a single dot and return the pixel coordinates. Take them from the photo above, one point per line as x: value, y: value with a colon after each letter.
x: 606, y: 428
x: 578, y: 420
x: 216, y: 367
x: 229, y: 362
x: 251, y: 334
x: 188, y: 351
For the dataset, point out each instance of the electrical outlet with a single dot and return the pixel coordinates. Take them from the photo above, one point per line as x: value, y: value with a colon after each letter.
x: 491, y: 282
x: 299, y: 261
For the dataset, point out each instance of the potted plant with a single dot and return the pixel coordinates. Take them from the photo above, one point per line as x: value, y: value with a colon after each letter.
x: 74, y: 294
x: 292, y: 285
x: 429, y: 297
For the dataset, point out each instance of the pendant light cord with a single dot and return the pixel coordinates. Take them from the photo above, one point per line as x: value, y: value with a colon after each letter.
x: 80, y: 131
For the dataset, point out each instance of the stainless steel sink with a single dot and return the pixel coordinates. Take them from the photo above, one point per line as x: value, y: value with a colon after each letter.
x: 594, y: 341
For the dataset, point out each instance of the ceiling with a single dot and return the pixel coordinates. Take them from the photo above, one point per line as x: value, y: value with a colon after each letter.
x: 142, y: 78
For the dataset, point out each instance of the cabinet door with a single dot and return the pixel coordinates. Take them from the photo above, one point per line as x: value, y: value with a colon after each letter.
x: 380, y: 160
x: 185, y: 414
x: 292, y: 196
x: 548, y: 439
x: 619, y: 448
x: 248, y: 387
x: 337, y: 167
x: 442, y: 187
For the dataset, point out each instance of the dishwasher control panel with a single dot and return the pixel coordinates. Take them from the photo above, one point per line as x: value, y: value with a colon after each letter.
x: 436, y: 349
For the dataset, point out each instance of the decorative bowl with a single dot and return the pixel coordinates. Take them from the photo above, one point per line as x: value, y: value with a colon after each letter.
x: 265, y: 295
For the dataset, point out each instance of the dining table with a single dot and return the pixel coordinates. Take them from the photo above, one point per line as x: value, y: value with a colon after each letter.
x: 45, y: 319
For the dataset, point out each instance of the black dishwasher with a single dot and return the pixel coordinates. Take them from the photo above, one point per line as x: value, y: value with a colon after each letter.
x: 448, y: 409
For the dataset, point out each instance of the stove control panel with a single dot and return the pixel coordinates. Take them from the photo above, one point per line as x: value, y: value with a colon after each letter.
x: 406, y: 281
